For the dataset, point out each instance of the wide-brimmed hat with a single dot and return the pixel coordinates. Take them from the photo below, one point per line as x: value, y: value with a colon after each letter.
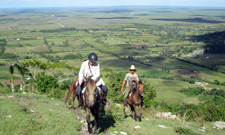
x: 132, y: 67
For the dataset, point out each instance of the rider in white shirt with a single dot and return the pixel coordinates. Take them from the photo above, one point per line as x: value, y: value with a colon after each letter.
x: 91, y: 68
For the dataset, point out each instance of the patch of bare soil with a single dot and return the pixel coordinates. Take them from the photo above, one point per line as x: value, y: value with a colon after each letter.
x: 80, y: 116
x: 188, y: 73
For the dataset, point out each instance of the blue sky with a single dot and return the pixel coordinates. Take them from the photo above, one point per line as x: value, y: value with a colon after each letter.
x: 74, y: 3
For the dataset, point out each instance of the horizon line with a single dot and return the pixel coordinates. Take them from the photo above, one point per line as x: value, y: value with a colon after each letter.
x: 110, y: 6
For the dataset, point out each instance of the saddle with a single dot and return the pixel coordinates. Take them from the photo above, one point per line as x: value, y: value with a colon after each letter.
x: 132, y: 89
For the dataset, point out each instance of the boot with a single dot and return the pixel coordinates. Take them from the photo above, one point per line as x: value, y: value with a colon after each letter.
x: 104, y: 100
x: 80, y: 100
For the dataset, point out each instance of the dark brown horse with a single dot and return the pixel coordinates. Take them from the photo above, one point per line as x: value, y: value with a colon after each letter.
x: 92, y: 100
x: 134, y: 99
x: 72, y: 90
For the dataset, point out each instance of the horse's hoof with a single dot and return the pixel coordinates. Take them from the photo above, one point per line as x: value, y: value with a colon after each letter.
x: 139, y: 120
x: 90, y: 130
x: 71, y: 107
x: 95, y: 132
x: 79, y: 107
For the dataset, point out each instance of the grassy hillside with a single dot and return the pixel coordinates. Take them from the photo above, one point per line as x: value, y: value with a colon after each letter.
x: 38, y: 114
x: 35, y: 114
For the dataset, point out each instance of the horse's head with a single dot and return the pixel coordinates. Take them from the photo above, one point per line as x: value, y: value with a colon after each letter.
x: 91, y: 92
x: 141, y: 88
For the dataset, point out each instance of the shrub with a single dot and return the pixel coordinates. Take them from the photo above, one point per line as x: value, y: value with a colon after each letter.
x: 114, y: 84
x: 215, y: 92
x: 5, y: 90
x: 45, y: 82
x: 184, y: 131
x: 65, y: 85
x: 56, y: 93
x: 192, y: 91
x: 149, y: 96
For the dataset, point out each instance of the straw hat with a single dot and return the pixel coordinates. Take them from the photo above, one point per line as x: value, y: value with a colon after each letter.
x: 132, y: 67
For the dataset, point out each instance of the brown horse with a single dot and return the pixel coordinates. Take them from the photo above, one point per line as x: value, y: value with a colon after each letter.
x: 92, y: 100
x: 135, y: 99
x: 72, y: 90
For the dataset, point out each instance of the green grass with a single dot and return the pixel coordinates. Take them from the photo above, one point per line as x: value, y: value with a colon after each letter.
x: 150, y: 125
x: 35, y: 114
x: 167, y: 91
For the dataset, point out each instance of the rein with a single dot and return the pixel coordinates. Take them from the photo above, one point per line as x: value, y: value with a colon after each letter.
x: 93, y: 93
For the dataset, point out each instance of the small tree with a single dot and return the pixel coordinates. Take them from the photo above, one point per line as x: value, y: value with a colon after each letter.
x: 22, y: 70
x: 11, y: 70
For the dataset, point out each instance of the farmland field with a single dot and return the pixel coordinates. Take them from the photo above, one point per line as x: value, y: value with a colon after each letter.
x: 162, y: 42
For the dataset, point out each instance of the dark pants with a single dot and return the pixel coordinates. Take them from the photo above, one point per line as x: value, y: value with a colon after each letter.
x: 79, y: 89
x: 104, y: 89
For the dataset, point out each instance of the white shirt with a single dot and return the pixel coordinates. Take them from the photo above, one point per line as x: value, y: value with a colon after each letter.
x: 87, y: 70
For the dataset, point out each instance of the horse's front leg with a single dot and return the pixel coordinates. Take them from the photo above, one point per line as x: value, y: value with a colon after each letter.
x: 134, y: 112
x: 140, y: 112
x: 88, y: 119
x: 95, y: 113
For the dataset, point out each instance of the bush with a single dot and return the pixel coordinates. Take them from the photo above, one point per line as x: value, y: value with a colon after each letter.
x: 5, y: 90
x: 184, y: 131
x: 192, y: 91
x: 213, y: 112
x: 114, y: 84
x: 65, y: 85
x: 56, y: 93
x: 45, y: 82
x: 215, y: 92
x: 149, y: 96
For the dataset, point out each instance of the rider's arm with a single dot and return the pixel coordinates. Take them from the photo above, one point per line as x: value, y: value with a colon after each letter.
x: 81, y: 73
x: 124, y: 81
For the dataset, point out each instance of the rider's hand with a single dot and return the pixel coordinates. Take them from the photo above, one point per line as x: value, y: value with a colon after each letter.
x: 122, y: 89
x: 123, y: 93
x: 80, y: 83
x: 133, y: 79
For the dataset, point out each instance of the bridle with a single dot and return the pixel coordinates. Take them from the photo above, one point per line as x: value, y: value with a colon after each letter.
x: 138, y: 89
x: 93, y: 93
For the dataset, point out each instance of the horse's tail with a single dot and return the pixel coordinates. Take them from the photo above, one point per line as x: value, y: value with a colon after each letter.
x: 73, y: 85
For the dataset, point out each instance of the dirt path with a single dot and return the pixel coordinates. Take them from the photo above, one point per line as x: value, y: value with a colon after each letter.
x: 81, y: 118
